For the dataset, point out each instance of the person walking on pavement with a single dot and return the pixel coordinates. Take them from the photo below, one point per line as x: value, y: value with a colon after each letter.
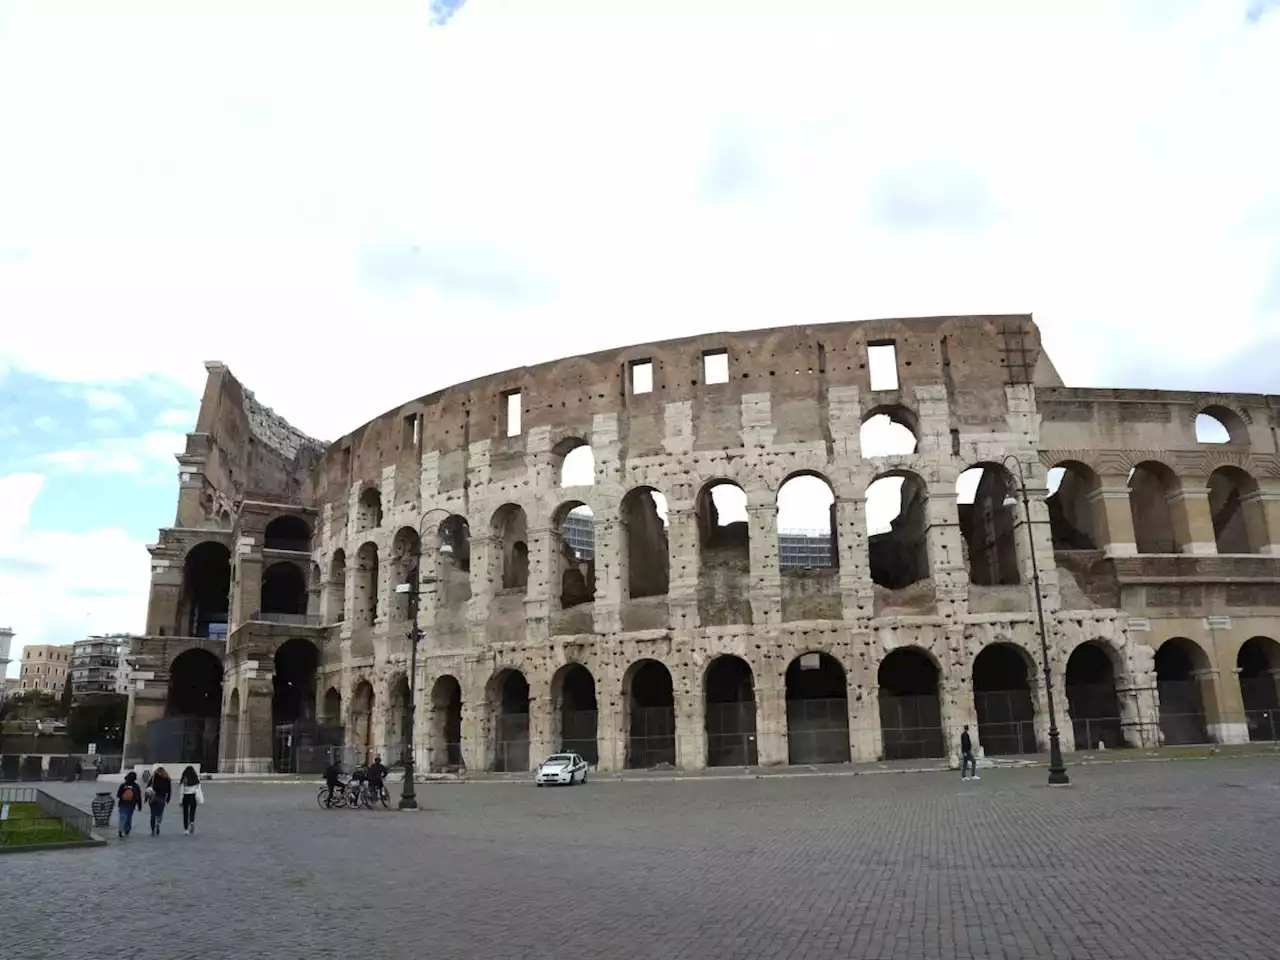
x: 161, y: 792
x: 192, y: 796
x: 128, y: 799
x: 967, y: 760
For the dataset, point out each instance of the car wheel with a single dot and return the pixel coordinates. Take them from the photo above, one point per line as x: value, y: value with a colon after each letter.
x: 584, y: 776
x: 537, y: 783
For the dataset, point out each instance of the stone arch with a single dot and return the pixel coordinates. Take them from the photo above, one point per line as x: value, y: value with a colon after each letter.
x: 233, y: 750
x: 724, y: 566
x: 1092, y: 700
x: 889, y: 431
x: 1151, y: 485
x: 293, y: 698
x: 649, y: 702
x: 988, y: 524
x: 331, y: 707
x: 507, y: 694
x: 446, y: 723
x: 897, y: 508
x: 909, y: 682
x: 287, y: 532
x: 645, y: 543
x: 406, y: 556
x: 1258, y: 667
x: 817, y: 694
x: 360, y: 742
x: 368, y: 510
x: 365, y: 600
x: 1003, y: 681
x: 195, y: 685
x: 730, y: 704
x: 575, y: 463
x: 336, y: 595
x: 511, y: 528
x: 806, y: 523
x: 1216, y: 423
x: 574, y: 711
x: 574, y: 572
x: 284, y: 591
x: 456, y: 532
x: 399, y: 732
x: 1182, y: 667
x: 1075, y: 506
x: 206, y: 591
x: 1239, y: 521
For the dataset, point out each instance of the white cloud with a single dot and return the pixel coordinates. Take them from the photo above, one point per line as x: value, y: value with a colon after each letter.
x: 45, y: 423
x: 108, y: 401
x: 147, y: 454
x: 61, y: 587
x: 180, y: 417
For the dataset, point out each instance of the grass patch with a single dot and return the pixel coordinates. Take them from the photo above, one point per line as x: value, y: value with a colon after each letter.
x: 29, y: 825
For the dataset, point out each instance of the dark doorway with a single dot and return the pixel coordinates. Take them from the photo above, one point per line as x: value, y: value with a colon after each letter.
x: 446, y: 724
x: 206, y: 592
x: 577, y: 695
x: 1182, y: 716
x: 910, y: 712
x: 817, y: 710
x: 287, y: 533
x: 294, y: 684
x: 1002, y: 698
x: 731, y: 714
x: 509, y: 700
x: 284, y: 590
x: 651, y: 726
x: 190, y: 729
x: 1091, y: 698
x: 1259, y: 667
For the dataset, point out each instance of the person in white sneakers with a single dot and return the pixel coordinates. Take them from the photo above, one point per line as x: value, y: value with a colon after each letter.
x: 192, y: 796
x: 967, y: 760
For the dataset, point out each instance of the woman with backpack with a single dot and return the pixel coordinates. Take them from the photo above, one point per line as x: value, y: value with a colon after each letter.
x: 128, y: 799
x: 160, y: 793
x: 192, y: 796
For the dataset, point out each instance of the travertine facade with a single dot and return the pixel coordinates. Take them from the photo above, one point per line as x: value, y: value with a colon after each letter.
x: 630, y: 657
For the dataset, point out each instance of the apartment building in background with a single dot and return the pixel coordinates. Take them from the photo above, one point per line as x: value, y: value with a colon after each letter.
x: 98, y: 665
x: 45, y: 668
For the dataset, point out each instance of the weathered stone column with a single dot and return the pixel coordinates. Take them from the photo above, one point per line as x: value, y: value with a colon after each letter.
x: 691, y: 728
x: 486, y: 573
x: 611, y: 732
x: 1262, y: 517
x: 866, y: 740
x: 610, y: 570
x: 946, y: 551
x: 544, y: 567
x: 1223, y: 705
x: 1192, y: 520
x: 1036, y: 556
x: 857, y: 592
x: 682, y: 543
x: 1113, y: 517
x: 765, y: 579
x: 771, y: 720
x: 476, y: 736
x: 257, y: 733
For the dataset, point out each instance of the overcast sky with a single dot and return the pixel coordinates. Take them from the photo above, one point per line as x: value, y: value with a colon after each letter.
x: 352, y: 206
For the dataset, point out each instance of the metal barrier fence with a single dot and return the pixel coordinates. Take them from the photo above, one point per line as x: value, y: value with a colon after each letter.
x: 57, y: 822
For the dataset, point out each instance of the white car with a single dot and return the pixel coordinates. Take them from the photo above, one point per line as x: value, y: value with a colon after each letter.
x: 566, y: 768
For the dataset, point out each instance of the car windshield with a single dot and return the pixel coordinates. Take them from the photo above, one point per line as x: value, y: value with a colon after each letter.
x: 559, y: 758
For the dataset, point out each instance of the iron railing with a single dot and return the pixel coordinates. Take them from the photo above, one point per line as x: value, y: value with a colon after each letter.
x: 57, y: 821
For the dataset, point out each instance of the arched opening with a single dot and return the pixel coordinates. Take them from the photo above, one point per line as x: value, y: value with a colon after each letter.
x: 898, y: 530
x: 1073, y: 498
x: 336, y: 596
x: 806, y: 524
x: 368, y: 510
x: 724, y: 555
x: 576, y: 464
x: 1258, y: 666
x: 512, y: 532
x: 1179, y: 666
x: 288, y: 533
x: 575, y: 569
x: 332, y: 707
x: 986, y: 504
x: 509, y: 711
x: 206, y: 592
x: 406, y: 554
x: 888, y: 432
x: 360, y: 743
x: 910, y: 710
x: 1151, y: 484
x: 365, y: 599
x: 284, y: 591
x: 1239, y: 523
x: 573, y: 692
x: 651, y: 716
x: 456, y: 533
x: 1091, y: 697
x: 644, y: 521
x: 195, y: 685
x: 294, y: 682
x: 399, y: 727
x: 1216, y: 424
x: 817, y: 710
x: 446, y: 724
x: 1002, y: 698
x: 234, y: 749
x: 730, y: 713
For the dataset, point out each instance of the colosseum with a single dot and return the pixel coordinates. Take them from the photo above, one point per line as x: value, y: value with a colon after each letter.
x: 599, y: 556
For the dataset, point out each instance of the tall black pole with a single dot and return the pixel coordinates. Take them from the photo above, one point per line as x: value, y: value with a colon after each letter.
x: 1057, y: 768
x: 408, y: 795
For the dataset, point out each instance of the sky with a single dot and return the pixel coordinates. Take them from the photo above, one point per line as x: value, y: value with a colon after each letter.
x: 350, y: 207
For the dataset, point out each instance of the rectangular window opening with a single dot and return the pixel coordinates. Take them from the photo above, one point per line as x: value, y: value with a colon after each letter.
x: 513, y: 413
x: 641, y: 376
x: 882, y: 359
x: 409, y: 433
x: 346, y: 460
x: 715, y: 366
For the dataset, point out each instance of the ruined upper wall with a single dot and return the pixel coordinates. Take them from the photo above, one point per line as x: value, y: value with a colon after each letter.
x: 974, y: 357
x: 240, y: 450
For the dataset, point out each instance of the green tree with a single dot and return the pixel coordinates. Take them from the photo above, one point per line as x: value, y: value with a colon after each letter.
x: 98, y: 718
x: 68, y: 693
x: 34, y: 705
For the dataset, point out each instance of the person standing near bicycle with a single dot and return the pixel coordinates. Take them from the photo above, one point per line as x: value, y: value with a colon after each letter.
x: 376, y: 774
x: 333, y: 777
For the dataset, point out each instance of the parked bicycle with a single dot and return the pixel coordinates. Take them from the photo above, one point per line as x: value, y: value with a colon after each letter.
x: 337, y: 801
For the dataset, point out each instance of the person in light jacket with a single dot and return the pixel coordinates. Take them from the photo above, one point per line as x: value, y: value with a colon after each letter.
x: 192, y: 796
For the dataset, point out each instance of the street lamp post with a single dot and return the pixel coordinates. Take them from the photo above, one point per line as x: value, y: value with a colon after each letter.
x: 1057, y: 768
x: 408, y: 794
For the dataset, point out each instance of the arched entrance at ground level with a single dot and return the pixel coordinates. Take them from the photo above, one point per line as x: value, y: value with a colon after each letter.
x: 508, y: 696
x: 232, y: 751
x: 189, y: 730
x: 817, y: 710
x: 1258, y: 665
x: 731, y: 713
x: 446, y: 724
x: 332, y: 707
x: 206, y: 592
x: 1091, y: 697
x: 910, y: 712
x: 399, y: 736
x: 651, y: 715
x: 573, y: 694
x: 1182, y: 715
x: 1002, y: 699
x: 293, y: 708
x: 360, y: 746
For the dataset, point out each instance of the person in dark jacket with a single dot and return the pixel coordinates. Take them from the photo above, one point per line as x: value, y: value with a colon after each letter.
x: 376, y: 773
x: 967, y: 760
x: 192, y: 796
x: 161, y: 793
x: 128, y: 799
x: 333, y: 777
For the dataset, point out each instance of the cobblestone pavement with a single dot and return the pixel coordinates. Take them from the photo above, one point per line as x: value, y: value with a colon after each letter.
x: 1169, y: 860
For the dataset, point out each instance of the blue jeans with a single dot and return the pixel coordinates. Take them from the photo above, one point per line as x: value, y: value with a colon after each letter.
x: 126, y: 819
x: 968, y: 762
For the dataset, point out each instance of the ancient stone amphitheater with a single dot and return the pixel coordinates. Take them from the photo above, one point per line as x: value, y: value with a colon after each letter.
x: 599, y: 554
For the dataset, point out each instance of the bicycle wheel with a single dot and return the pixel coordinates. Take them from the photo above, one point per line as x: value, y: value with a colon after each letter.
x: 367, y: 798
x: 322, y: 798
x: 385, y: 797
